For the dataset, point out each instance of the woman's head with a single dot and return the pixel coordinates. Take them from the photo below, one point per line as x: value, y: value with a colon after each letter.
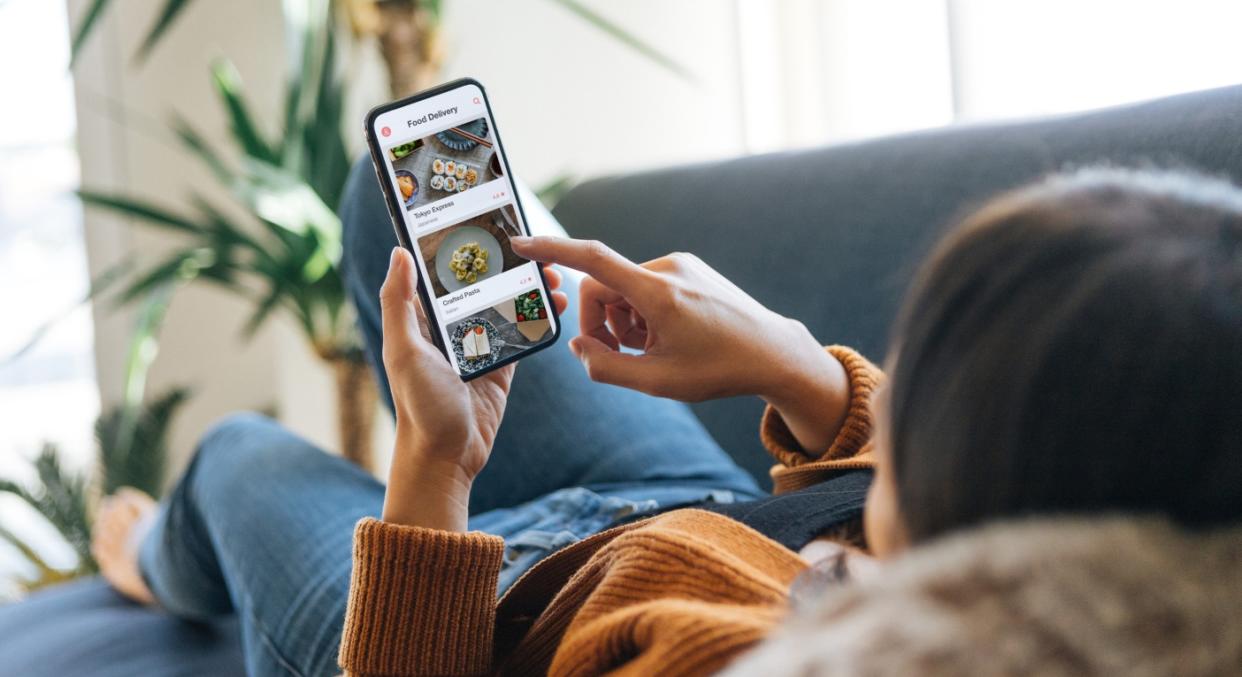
x: 1072, y: 347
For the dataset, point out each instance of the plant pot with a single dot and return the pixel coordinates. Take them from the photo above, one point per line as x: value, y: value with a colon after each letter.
x: 356, y: 399
x: 410, y: 43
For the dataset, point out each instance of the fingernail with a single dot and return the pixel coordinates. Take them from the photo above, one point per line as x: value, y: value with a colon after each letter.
x: 576, y: 348
x: 520, y: 240
x: 395, y: 257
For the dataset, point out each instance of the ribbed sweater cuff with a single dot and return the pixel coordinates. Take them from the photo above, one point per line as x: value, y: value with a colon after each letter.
x: 421, y: 601
x: 855, y: 432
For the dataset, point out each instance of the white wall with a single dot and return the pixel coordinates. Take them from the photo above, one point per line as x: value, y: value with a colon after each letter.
x: 569, y: 98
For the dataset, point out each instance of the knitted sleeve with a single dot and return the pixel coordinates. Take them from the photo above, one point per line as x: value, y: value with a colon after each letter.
x: 421, y: 602
x: 800, y: 468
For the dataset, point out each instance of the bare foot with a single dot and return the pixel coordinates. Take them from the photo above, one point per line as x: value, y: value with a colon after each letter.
x: 122, y: 521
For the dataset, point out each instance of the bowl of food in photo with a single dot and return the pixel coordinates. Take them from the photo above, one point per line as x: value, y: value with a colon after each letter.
x: 531, y: 316
x: 466, y: 256
x: 476, y: 344
x: 407, y: 185
x: 403, y: 150
x: 461, y: 143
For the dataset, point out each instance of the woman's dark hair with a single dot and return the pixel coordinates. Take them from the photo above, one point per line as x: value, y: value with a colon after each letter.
x: 1075, y: 347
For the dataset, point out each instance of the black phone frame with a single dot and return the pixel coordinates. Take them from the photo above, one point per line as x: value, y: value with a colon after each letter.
x: 395, y: 208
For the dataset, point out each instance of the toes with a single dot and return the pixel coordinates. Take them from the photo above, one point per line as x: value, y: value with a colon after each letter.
x: 111, y: 524
x: 136, y: 499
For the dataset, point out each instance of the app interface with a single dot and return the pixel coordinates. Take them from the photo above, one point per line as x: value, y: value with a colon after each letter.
x: 460, y: 209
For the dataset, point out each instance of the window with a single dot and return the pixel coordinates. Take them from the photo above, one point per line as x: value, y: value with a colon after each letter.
x: 48, y: 393
x: 817, y: 71
x: 1022, y: 57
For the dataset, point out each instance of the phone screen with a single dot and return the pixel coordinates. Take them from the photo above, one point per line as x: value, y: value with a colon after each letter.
x: 455, y: 206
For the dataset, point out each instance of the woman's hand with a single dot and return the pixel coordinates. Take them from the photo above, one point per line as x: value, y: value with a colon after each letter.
x: 445, y: 427
x: 701, y: 337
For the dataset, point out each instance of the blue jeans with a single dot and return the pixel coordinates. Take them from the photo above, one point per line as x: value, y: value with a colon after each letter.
x: 261, y: 524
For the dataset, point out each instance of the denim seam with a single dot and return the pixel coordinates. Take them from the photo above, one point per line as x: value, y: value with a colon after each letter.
x: 272, y: 650
x: 261, y: 630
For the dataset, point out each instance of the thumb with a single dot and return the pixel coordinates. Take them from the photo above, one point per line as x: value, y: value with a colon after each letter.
x: 605, y: 365
x: 398, y: 302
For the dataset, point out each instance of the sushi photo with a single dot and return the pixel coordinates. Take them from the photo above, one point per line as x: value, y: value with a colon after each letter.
x: 431, y: 169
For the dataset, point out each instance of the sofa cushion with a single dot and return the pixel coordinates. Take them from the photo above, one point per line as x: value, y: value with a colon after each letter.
x: 86, y: 628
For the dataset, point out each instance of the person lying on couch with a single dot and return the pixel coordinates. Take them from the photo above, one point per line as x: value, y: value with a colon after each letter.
x: 1056, y: 455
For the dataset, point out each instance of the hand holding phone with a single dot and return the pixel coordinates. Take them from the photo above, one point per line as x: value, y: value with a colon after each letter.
x: 445, y: 426
x: 455, y: 207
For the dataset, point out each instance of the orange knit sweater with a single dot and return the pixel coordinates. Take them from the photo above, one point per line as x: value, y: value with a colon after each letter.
x: 679, y: 594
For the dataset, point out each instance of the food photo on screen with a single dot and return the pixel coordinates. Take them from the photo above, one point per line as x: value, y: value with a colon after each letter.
x: 471, y: 251
x: 450, y: 161
x: 496, y: 333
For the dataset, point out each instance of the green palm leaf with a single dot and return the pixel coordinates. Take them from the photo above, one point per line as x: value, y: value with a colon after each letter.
x: 198, y: 146
x: 224, y: 232
x: 63, y: 500
x: 436, y: 7
x: 89, y: 20
x: 139, y: 209
x: 270, y: 302
x: 183, y: 265
x: 627, y: 38
x: 138, y: 458
x: 326, y: 159
x: 228, y: 86
x: 172, y: 8
x: 46, y: 574
x: 168, y: 15
x: 286, y: 200
x: 10, y: 487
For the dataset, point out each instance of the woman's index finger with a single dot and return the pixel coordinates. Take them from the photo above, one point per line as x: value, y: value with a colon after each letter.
x: 588, y: 256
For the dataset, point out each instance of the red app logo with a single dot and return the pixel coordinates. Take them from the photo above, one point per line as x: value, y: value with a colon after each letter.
x: 386, y: 131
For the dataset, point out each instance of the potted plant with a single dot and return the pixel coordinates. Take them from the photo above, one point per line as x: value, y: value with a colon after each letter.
x: 288, y: 258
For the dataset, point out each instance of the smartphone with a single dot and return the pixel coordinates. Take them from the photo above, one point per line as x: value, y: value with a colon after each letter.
x: 452, y: 198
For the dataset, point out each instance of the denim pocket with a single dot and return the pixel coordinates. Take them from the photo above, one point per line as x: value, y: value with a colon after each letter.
x: 534, y: 530
x: 537, y: 529
x: 537, y: 543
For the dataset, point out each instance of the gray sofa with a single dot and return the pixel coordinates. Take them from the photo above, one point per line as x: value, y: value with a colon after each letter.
x: 857, y: 217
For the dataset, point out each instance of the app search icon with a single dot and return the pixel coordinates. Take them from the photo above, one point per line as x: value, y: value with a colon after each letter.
x: 476, y: 101
x: 386, y: 131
